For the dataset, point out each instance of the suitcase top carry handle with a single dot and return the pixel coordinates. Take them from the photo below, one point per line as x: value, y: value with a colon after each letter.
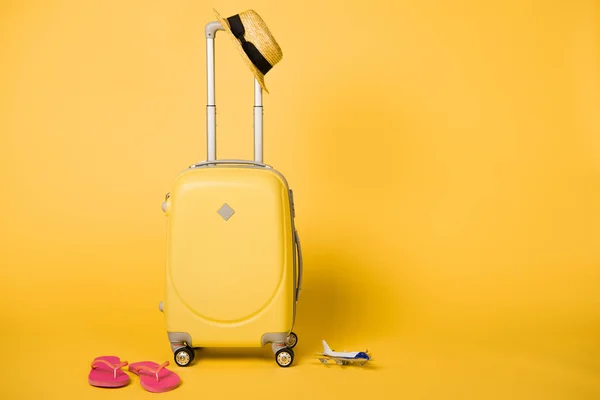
x: 237, y: 162
x: 211, y: 121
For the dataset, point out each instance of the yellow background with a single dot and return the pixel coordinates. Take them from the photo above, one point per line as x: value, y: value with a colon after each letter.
x: 445, y: 159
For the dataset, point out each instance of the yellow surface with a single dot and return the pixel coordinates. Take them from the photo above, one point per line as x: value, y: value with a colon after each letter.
x: 228, y: 283
x: 459, y: 243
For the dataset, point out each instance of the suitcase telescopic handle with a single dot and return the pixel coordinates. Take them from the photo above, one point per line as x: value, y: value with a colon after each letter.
x: 211, y: 119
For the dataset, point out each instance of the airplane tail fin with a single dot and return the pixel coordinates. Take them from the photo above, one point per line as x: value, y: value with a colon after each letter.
x: 326, y: 348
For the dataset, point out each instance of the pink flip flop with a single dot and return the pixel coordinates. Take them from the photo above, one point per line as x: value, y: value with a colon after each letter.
x: 106, y: 372
x: 155, y: 378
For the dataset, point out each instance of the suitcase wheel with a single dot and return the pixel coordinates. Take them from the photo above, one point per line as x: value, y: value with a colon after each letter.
x: 284, y: 357
x: 184, y: 356
x: 292, y: 340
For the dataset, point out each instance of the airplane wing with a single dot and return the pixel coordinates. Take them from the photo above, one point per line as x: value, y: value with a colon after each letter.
x: 350, y: 360
x: 341, y: 360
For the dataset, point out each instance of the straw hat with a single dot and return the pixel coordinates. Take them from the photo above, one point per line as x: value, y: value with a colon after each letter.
x: 254, y: 41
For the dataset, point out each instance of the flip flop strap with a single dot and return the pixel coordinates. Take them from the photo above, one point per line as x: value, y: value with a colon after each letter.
x: 154, y: 371
x: 110, y: 365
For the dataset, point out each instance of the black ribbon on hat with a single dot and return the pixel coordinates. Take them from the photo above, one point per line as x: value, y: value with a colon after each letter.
x: 259, y: 61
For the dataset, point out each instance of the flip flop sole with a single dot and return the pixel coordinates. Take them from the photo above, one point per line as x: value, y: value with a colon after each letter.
x: 108, y: 384
x: 103, y: 376
x: 167, y: 380
x: 158, y: 389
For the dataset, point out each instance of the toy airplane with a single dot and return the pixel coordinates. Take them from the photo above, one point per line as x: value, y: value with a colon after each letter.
x: 343, y: 357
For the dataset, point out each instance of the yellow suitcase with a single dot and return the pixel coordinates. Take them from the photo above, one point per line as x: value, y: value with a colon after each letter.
x: 234, y: 262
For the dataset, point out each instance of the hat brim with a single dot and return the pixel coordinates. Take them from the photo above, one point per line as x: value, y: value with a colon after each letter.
x: 260, y: 77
